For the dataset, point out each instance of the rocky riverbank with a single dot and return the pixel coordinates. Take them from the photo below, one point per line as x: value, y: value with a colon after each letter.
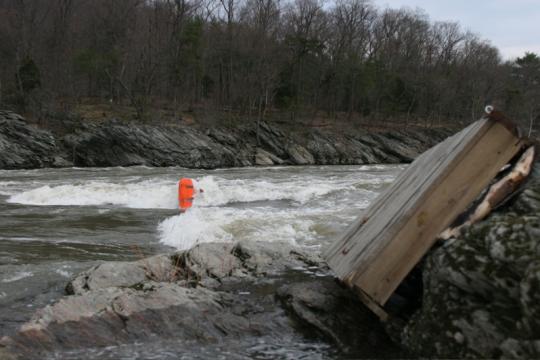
x: 480, y: 299
x: 114, y: 143
x: 211, y: 293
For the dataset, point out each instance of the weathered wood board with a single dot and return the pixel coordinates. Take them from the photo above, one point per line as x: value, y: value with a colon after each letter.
x: 381, y: 247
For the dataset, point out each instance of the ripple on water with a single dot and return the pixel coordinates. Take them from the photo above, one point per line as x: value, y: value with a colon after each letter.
x: 18, y: 276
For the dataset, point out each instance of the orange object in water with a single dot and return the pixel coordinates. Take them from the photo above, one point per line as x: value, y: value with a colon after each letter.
x: 185, y: 194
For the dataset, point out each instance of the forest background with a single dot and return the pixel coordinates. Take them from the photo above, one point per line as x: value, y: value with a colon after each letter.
x: 214, y: 62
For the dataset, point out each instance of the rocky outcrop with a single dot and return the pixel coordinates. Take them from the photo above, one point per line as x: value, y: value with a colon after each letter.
x: 481, y: 297
x: 114, y: 143
x: 24, y: 146
x: 117, y: 144
x: 211, y: 293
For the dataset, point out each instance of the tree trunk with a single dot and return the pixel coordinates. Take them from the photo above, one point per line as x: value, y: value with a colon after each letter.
x: 259, y: 116
x: 531, y: 123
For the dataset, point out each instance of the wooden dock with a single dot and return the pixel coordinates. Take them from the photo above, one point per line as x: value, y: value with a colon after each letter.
x: 380, y: 248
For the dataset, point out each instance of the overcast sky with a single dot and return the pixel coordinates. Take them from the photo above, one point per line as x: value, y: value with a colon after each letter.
x: 511, y: 25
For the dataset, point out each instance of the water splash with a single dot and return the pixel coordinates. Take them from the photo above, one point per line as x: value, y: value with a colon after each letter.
x: 154, y: 194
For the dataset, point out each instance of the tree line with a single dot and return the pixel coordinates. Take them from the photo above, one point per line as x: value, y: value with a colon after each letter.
x: 300, y: 58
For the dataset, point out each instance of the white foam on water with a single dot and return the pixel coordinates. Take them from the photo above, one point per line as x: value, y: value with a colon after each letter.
x: 19, y: 238
x: 8, y: 187
x: 145, y: 194
x: 185, y: 230
x: 297, y: 208
x: 235, y: 191
x: 64, y: 273
x: 218, y: 224
x: 154, y: 194
x: 18, y: 276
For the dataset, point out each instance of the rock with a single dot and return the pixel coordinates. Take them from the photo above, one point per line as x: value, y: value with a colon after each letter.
x: 337, y: 313
x: 60, y: 162
x: 245, y: 260
x: 263, y: 158
x: 299, y: 155
x: 112, y: 316
x: 480, y: 297
x: 114, y: 143
x: 209, y: 261
x: 10, y: 115
x: 218, y: 292
x: 272, y: 139
x: 23, y: 146
x: 271, y: 258
x: 321, y: 147
x: 329, y: 147
x: 395, y: 147
x: 222, y: 136
x: 123, y: 274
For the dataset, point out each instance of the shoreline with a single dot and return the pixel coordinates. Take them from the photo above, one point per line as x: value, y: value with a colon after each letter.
x: 113, y: 143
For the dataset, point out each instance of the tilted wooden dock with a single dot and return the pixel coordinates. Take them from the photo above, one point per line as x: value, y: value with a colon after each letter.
x: 381, y: 247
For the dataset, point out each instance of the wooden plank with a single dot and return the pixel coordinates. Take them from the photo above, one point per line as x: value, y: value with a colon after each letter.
x: 449, y: 196
x: 381, y: 208
x: 344, y: 254
x: 421, y: 177
x: 381, y: 247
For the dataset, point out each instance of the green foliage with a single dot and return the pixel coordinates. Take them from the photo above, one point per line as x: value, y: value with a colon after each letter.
x: 190, y: 58
x: 93, y: 63
x: 285, y: 94
x: 529, y: 59
x: 523, y: 91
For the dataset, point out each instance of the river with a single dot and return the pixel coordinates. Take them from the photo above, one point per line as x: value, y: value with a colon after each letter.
x: 55, y: 223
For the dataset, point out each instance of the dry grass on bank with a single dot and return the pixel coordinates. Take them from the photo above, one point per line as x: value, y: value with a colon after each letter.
x: 206, y: 116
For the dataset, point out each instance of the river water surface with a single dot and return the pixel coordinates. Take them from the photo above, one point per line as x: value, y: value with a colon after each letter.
x: 55, y: 223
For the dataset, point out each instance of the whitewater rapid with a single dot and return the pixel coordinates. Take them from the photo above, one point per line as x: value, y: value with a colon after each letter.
x: 55, y: 223
x: 277, y: 204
